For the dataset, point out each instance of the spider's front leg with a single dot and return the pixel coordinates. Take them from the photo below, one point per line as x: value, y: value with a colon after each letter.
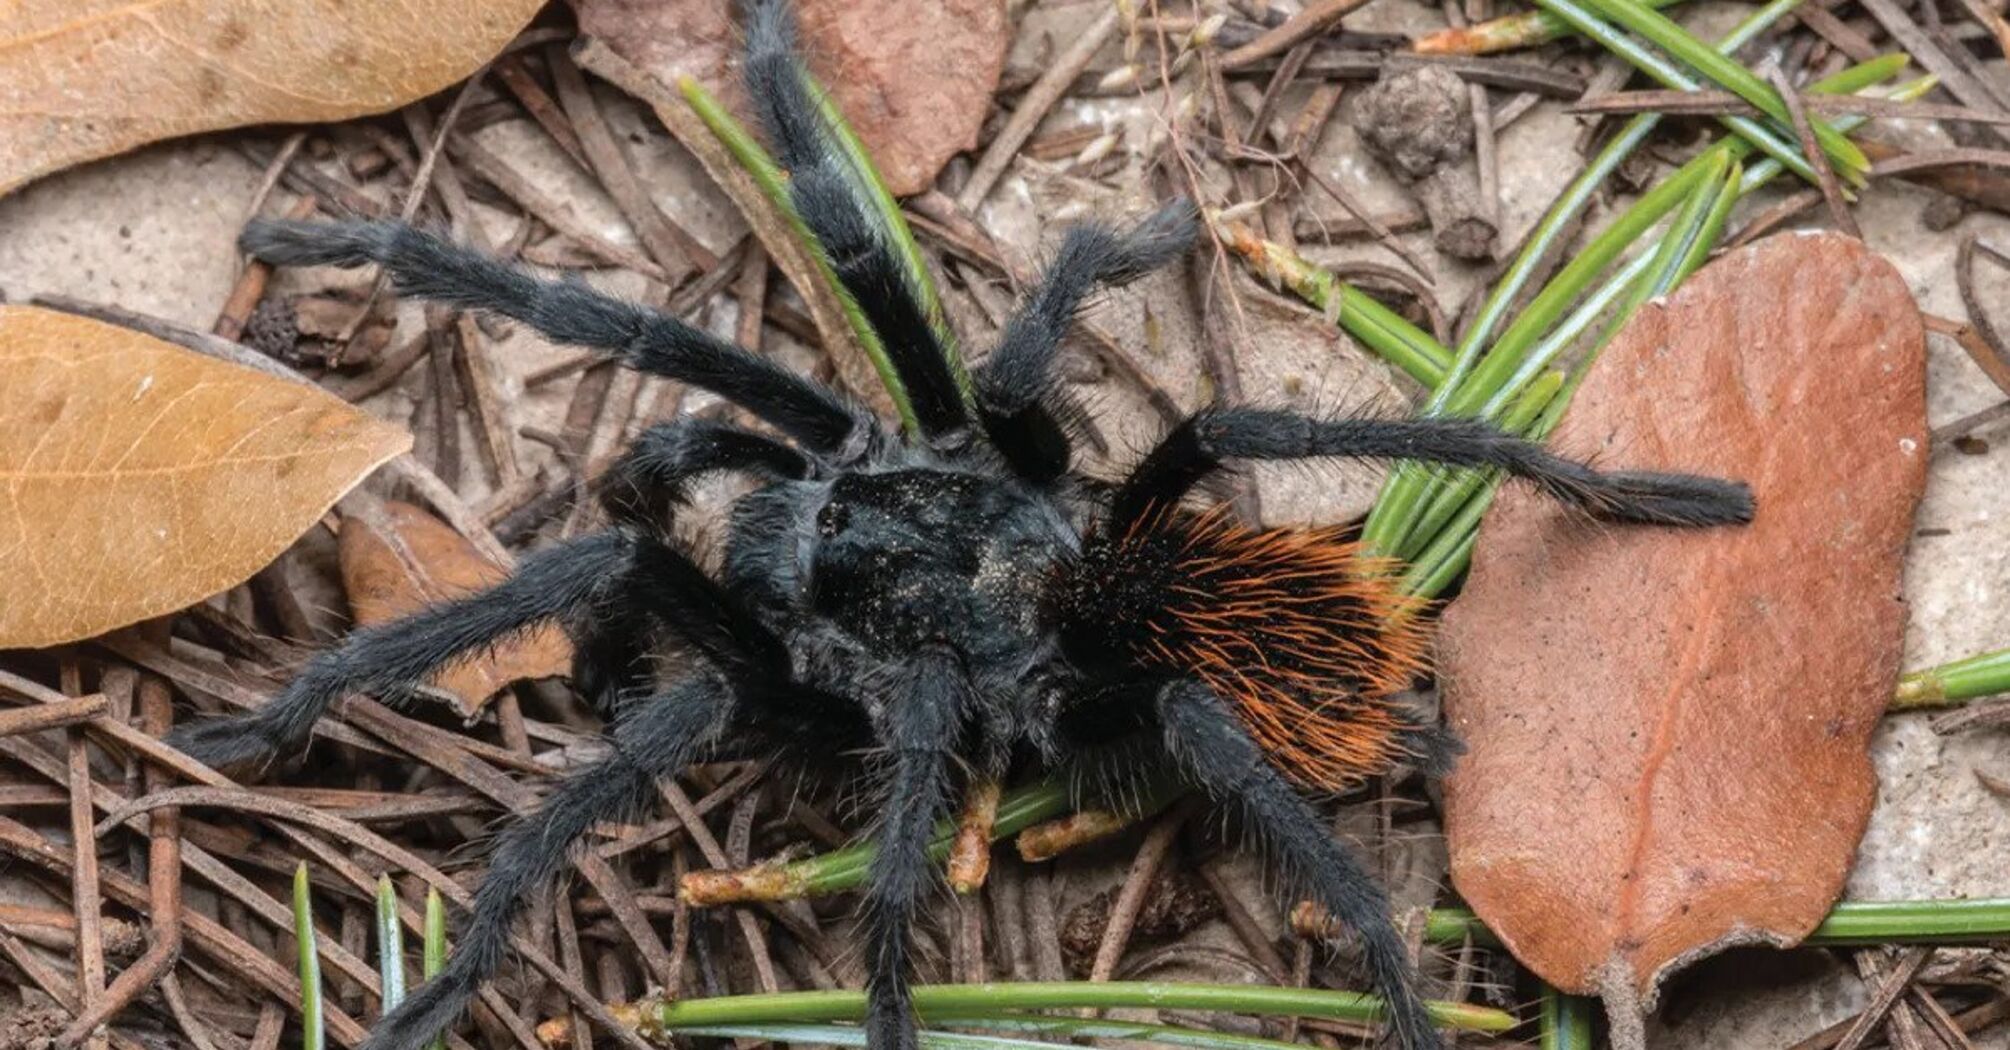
x: 548, y: 585
x: 1198, y: 447
x: 918, y: 729
x: 1214, y: 752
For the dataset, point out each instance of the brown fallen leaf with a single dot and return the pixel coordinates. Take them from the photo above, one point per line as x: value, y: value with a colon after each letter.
x: 137, y: 478
x: 1668, y: 728
x: 402, y: 559
x: 83, y: 79
x: 913, y: 77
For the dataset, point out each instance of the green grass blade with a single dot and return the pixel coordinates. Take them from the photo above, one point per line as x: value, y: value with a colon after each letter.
x: 1566, y: 1021
x: 1066, y: 1027
x: 313, y: 1024
x: 1665, y: 34
x: 1381, y: 329
x: 754, y: 159
x: 962, y: 1000
x: 845, y: 869
x: 1953, y: 683
x: 390, y: 944
x: 1411, y: 490
x: 1389, y: 520
x: 1849, y: 923
x: 868, y: 184
x: 1773, y: 143
x: 433, y: 957
x: 852, y: 1035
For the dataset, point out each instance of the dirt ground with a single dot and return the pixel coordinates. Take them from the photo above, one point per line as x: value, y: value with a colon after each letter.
x: 153, y: 232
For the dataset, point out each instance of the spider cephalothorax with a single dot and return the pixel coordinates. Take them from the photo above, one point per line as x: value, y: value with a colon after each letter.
x: 953, y: 598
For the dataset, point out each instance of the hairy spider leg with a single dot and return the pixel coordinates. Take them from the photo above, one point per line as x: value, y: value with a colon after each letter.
x: 1217, y: 756
x: 390, y: 657
x: 920, y: 727
x: 646, y: 485
x: 657, y: 737
x: 1016, y: 382
x: 427, y: 267
x: 1197, y: 446
x: 847, y: 226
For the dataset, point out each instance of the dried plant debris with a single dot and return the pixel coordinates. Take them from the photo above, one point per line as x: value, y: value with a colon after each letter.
x: 913, y: 77
x: 1419, y: 122
x: 1176, y: 904
x: 141, y: 477
x: 79, y: 81
x: 1668, y: 730
x: 397, y: 559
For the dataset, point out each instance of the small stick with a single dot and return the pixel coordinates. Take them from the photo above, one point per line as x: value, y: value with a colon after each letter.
x: 1033, y: 107
x: 670, y: 246
x: 1825, y: 176
x: 1895, y: 980
x: 1131, y: 898
x: 84, y: 893
x: 1306, y: 24
x: 163, y: 877
x: 1984, y: 356
x: 250, y: 286
x: 1990, y: 355
x: 542, y: 108
x: 19, y: 720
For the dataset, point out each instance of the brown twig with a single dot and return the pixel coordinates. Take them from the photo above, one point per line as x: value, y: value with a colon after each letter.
x: 1991, y: 356
x: 1033, y: 106
x: 1314, y: 20
x: 1887, y: 993
x: 1825, y: 176
x: 673, y: 249
x: 164, y: 911
x: 19, y: 720
x: 1151, y: 853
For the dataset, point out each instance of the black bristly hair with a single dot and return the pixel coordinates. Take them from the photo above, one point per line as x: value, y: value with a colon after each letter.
x: 955, y: 602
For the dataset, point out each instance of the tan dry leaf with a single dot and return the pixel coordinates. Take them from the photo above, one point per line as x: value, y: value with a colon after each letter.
x: 404, y: 559
x: 83, y: 79
x: 1668, y: 729
x: 914, y: 78
x: 137, y: 478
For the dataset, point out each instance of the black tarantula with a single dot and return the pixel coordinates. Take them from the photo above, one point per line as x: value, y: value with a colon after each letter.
x: 958, y: 599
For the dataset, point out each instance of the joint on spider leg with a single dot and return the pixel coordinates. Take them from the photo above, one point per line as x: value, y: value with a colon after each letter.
x: 970, y: 851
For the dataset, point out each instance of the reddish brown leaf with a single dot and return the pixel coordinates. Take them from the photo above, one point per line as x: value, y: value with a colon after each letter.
x: 137, y: 478
x: 913, y: 77
x: 403, y: 559
x: 81, y: 79
x: 1668, y: 728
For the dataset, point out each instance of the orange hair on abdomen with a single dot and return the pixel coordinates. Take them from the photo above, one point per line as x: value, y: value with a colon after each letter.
x: 1305, y: 636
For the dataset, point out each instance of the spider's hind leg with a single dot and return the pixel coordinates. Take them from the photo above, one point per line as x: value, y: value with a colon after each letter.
x: 657, y: 737
x: 1213, y: 751
x: 548, y: 585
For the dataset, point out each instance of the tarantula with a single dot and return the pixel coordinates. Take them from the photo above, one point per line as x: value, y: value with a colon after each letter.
x: 955, y: 600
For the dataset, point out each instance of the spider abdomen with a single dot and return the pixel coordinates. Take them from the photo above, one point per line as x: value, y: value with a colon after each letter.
x: 1301, y: 633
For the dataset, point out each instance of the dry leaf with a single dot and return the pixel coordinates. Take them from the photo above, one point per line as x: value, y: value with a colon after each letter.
x: 140, y: 478
x: 403, y: 559
x: 1668, y: 729
x: 83, y: 79
x: 913, y: 77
